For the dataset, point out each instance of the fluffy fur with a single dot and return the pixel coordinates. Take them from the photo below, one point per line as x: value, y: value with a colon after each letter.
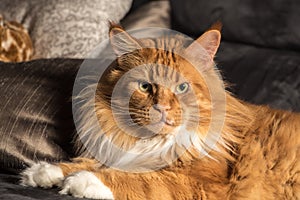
x: 257, y: 151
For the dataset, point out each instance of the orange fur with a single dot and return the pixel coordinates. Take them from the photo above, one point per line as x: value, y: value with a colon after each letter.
x: 256, y: 158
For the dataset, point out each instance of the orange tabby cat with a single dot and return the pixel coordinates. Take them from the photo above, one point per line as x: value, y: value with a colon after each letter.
x: 257, y: 151
x: 15, y: 42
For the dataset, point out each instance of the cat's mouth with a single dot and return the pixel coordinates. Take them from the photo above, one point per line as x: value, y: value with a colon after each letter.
x: 164, y: 121
x: 158, y: 122
x: 161, y: 118
x: 163, y: 126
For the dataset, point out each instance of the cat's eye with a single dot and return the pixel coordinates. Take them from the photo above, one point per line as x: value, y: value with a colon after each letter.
x: 182, y: 88
x: 145, y: 86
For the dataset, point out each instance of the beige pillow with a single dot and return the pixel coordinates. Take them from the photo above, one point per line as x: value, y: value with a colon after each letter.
x: 65, y: 28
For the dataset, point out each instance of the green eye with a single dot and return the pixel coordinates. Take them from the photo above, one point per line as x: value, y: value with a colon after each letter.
x: 182, y: 88
x: 145, y: 86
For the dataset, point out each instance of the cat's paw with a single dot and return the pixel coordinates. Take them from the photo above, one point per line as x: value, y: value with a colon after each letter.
x: 43, y: 175
x: 85, y: 184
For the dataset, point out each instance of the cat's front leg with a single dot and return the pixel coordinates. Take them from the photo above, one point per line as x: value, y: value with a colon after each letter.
x: 74, y: 178
x: 43, y: 175
x: 85, y: 184
x: 46, y: 175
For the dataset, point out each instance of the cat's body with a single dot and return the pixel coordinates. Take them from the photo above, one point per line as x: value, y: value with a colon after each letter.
x: 267, y: 162
x: 256, y: 155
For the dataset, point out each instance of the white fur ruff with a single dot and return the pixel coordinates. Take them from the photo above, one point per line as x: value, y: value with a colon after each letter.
x: 146, y: 155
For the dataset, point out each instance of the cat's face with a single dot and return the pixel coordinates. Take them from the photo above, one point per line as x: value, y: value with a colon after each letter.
x: 159, y: 98
x: 154, y: 90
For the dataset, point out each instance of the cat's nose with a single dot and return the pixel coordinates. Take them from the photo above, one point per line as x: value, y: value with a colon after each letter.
x: 161, y: 107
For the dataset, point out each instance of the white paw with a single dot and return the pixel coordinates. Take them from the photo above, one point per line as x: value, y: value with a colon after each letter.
x: 85, y: 184
x: 43, y: 175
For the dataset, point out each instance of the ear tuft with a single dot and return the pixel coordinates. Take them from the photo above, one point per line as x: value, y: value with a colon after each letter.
x: 113, y: 25
x: 122, y: 43
x: 216, y: 26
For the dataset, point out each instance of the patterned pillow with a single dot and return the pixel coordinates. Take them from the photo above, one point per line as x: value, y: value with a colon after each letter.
x: 65, y: 28
x: 15, y: 43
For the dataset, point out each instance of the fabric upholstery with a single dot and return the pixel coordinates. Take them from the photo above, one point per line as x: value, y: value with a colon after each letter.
x: 65, y: 28
x: 35, y: 111
x: 268, y: 23
x: 151, y: 14
x: 261, y: 75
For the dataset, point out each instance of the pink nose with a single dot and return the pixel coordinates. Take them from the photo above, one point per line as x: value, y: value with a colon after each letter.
x: 161, y: 108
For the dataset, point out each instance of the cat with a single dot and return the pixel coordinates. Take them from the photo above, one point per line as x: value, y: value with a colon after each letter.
x: 256, y: 154
x: 15, y: 42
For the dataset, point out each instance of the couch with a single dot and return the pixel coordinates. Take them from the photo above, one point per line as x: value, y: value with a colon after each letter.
x: 259, y: 57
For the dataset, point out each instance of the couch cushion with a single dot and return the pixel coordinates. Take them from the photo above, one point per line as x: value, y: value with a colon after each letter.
x: 65, y: 28
x: 268, y: 23
x: 36, y: 120
x: 151, y: 14
x: 262, y: 75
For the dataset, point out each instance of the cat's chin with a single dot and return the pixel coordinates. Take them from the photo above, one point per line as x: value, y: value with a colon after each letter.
x: 167, y: 129
x: 162, y: 128
x: 152, y: 130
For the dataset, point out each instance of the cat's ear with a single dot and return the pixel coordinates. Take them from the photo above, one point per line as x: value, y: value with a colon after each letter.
x: 122, y: 43
x: 210, y: 41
